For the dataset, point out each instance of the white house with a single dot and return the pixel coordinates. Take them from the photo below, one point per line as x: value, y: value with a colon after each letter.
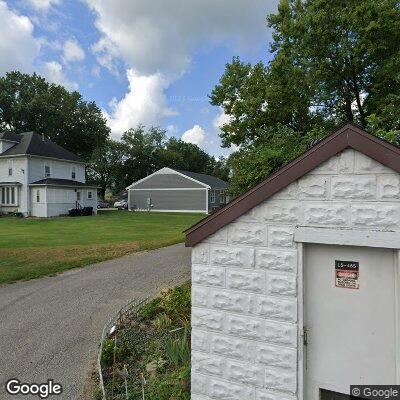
x: 40, y: 178
x: 296, y: 283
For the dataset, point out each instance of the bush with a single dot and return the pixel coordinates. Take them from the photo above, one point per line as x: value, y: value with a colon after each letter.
x: 154, y: 344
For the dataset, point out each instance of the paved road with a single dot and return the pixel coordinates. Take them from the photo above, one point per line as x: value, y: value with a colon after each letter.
x: 50, y: 327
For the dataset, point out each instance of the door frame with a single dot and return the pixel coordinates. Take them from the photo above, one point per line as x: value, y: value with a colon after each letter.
x: 342, y: 237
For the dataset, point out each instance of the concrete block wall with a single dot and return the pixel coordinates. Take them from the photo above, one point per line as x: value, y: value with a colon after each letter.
x: 244, y: 312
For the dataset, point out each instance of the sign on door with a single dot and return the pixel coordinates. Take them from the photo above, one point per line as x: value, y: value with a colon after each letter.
x: 347, y: 274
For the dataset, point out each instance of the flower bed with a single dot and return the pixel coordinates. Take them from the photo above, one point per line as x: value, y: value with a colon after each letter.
x: 148, y: 355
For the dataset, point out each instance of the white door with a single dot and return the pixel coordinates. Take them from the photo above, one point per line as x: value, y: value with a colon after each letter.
x: 351, y: 332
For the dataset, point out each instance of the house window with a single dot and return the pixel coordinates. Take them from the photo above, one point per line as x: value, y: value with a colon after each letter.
x: 212, y: 196
x: 47, y: 172
x: 38, y: 196
x: 10, y: 170
x: 73, y: 173
x: 9, y: 195
x: 222, y: 197
x: 89, y: 194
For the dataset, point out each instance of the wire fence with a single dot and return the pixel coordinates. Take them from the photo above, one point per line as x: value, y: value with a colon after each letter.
x: 127, y: 311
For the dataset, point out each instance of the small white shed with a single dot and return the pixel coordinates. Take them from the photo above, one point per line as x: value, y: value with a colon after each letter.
x: 296, y: 283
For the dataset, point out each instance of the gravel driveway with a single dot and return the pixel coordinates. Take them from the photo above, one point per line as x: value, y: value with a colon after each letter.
x: 50, y: 327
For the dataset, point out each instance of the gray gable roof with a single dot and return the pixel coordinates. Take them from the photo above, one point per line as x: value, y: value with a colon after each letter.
x: 212, y: 181
x: 30, y: 143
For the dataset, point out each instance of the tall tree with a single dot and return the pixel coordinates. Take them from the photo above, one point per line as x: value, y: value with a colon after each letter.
x: 333, y: 61
x: 30, y: 103
x: 105, y: 166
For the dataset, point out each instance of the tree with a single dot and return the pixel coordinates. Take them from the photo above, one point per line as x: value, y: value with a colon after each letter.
x: 30, y: 103
x: 105, y: 164
x: 143, y: 151
x: 333, y: 61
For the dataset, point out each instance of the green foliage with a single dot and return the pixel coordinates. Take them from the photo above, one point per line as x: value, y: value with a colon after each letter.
x: 177, y: 349
x: 30, y: 103
x: 176, y: 303
x: 156, y: 344
x: 143, y: 151
x: 333, y: 61
x: 107, y: 356
x: 162, y: 322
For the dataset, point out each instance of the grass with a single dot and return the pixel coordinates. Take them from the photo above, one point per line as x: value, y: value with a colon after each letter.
x: 155, y: 345
x: 31, y: 248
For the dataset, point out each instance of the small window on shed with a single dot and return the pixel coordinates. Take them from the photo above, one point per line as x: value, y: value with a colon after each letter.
x: 10, y: 169
x: 212, y: 196
x: 38, y: 196
x: 73, y: 172
x: 89, y: 195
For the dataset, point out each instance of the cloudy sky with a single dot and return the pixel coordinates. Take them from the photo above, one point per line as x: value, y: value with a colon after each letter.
x: 143, y: 61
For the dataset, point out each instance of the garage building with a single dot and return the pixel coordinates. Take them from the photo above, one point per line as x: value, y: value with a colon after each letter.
x: 177, y: 191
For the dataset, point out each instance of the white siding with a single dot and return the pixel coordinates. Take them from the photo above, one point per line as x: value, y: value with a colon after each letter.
x: 59, y: 169
x: 19, y: 174
x: 5, y: 145
x: 60, y: 200
x: 38, y: 208
x: 244, y: 316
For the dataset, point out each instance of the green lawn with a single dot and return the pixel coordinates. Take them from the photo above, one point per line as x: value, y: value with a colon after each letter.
x: 30, y: 248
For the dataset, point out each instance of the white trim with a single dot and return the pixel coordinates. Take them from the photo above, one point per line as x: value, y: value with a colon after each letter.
x: 348, y: 237
x: 169, y: 189
x: 163, y: 171
x: 207, y: 200
x: 397, y: 311
x: 301, y: 351
x: 35, y: 156
x: 66, y: 186
x: 8, y: 140
x: 175, y: 211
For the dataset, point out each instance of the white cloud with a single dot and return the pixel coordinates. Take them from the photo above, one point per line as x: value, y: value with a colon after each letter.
x: 53, y: 72
x: 18, y: 46
x: 72, y: 51
x: 43, y: 4
x: 145, y: 103
x: 195, y: 135
x: 160, y: 35
x: 220, y: 120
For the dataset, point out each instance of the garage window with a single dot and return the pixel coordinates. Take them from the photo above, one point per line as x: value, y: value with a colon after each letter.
x: 89, y: 195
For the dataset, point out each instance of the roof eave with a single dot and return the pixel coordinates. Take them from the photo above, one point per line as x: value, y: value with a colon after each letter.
x: 348, y: 136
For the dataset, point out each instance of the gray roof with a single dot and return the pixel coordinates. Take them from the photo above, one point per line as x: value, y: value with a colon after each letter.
x: 61, y: 182
x: 31, y: 143
x: 11, y: 136
x: 212, y: 181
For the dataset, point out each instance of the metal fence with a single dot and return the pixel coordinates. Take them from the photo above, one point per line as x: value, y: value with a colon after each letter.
x: 111, y: 326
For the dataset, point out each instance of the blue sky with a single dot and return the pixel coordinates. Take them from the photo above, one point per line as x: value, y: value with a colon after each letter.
x: 151, y: 62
